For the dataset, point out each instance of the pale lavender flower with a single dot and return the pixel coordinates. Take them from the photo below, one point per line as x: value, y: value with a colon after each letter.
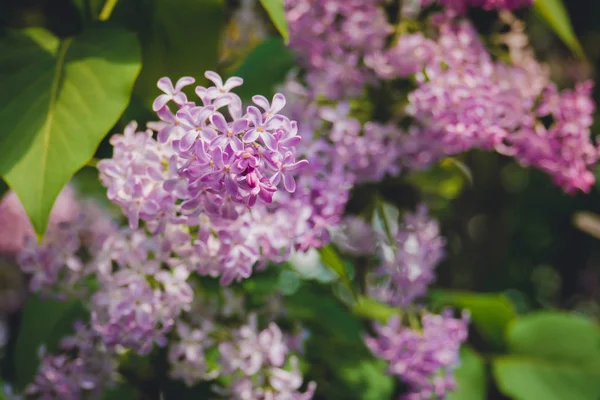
x: 408, y: 264
x: 83, y: 369
x: 422, y: 358
x: 171, y: 93
x: 137, y: 304
x: 332, y: 37
x: 56, y: 266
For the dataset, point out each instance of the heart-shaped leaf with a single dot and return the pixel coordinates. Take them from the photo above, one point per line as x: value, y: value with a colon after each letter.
x: 59, y: 99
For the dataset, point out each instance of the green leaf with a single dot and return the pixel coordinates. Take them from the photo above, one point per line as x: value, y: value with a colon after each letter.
x: 490, y: 313
x: 316, y: 308
x: 265, y: 67
x: 367, y: 378
x: 470, y: 377
x: 555, y: 15
x: 59, y: 99
x: 330, y: 258
x: 178, y: 39
x: 369, y: 308
x: 553, y: 356
x: 277, y: 14
x: 44, y: 323
x: 462, y: 168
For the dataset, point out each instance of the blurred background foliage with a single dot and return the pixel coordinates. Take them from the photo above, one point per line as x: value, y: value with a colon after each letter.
x: 510, y: 230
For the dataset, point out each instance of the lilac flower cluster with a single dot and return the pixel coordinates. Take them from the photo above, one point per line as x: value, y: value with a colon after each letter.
x: 59, y: 265
x: 465, y: 99
x: 562, y: 150
x: 425, y: 357
x: 83, y: 369
x: 210, y: 166
x: 342, y: 151
x: 407, y: 267
x: 257, y: 362
x: 332, y: 37
x: 137, y: 305
x: 14, y: 215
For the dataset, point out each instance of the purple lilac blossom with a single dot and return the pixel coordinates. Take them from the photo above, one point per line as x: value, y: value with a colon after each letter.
x: 331, y: 38
x: 57, y: 266
x: 355, y: 237
x: 137, y: 304
x: 12, y: 214
x: 422, y: 358
x: 408, y: 265
x: 83, y: 369
x: 258, y: 362
x: 467, y: 100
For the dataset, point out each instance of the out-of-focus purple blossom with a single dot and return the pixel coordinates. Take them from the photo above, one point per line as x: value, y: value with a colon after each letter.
x: 57, y: 266
x: 187, y: 353
x: 256, y: 359
x: 408, y: 264
x: 563, y: 150
x: 409, y: 55
x: 83, y: 369
x: 465, y: 100
x: 355, y: 237
x: 209, y: 165
x: 257, y: 362
x: 13, y: 215
x: 332, y: 37
x: 422, y: 358
x: 137, y: 304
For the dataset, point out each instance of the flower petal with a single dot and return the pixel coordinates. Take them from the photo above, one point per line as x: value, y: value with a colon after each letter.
x: 166, y: 85
x: 183, y: 82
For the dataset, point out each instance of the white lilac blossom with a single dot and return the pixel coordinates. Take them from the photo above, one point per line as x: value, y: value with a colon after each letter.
x: 84, y: 368
x: 423, y: 358
x: 408, y: 265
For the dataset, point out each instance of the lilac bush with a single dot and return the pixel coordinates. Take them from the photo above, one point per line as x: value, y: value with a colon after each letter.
x: 219, y: 194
